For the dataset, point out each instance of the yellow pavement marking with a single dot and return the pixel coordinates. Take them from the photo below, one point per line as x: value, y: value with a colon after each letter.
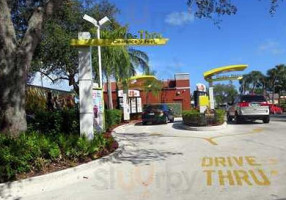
x: 232, y: 171
x: 273, y: 161
x: 274, y: 172
x: 211, y: 139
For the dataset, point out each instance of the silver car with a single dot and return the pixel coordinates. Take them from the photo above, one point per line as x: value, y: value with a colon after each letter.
x: 249, y: 107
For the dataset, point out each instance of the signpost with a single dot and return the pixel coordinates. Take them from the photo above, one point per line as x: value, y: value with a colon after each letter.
x: 210, y: 77
x: 91, y: 108
x: 98, y: 109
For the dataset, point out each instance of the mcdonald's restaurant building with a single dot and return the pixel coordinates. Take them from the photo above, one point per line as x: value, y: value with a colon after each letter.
x: 176, y: 91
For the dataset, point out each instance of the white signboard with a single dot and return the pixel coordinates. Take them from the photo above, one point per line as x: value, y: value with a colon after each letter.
x: 211, y: 94
x: 126, y: 110
x: 131, y: 93
x: 139, y: 105
x: 98, y: 110
x: 201, y: 87
x: 133, y: 105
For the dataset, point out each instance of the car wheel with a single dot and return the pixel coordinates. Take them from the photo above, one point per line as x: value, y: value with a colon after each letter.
x: 266, y: 120
x: 229, y: 118
x: 144, y: 123
x: 237, y: 119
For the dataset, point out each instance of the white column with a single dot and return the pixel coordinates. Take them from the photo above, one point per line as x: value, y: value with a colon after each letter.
x: 85, y: 88
x: 211, y: 95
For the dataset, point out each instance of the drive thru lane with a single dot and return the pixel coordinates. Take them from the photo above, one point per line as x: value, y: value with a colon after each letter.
x: 245, y: 161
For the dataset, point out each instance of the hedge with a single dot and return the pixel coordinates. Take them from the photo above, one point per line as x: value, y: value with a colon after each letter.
x: 53, y: 122
x: 33, y: 151
x: 112, y: 117
x: 219, y: 116
x: 195, y: 118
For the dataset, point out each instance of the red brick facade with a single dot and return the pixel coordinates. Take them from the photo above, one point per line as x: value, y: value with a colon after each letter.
x: 173, y: 91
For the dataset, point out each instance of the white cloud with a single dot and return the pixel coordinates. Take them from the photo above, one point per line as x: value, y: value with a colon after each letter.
x: 179, y: 18
x: 272, y: 47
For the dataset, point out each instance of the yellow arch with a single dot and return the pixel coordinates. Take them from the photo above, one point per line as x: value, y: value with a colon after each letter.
x: 146, y: 77
x: 208, y: 75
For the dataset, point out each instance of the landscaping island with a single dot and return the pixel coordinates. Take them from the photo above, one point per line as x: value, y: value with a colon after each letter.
x: 210, y: 119
x: 53, y: 143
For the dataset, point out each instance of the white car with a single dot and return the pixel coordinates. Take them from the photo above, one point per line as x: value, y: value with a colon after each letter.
x: 249, y: 107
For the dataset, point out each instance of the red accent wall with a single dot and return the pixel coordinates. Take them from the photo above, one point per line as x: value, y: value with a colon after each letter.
x: 174, y: 91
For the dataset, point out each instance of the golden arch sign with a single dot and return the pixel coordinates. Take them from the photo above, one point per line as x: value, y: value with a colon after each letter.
x: 118, y: 42
x: 214, y: 74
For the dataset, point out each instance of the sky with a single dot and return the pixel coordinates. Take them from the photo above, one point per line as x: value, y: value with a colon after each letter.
x: 252, y: 36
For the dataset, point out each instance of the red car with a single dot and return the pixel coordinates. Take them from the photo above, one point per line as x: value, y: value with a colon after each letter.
x: 274, y: 109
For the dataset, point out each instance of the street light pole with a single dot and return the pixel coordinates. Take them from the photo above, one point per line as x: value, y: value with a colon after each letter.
x: 97, y: 25
x: 99, y: 58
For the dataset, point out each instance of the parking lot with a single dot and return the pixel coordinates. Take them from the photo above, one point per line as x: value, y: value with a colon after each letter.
x: 244, y: 161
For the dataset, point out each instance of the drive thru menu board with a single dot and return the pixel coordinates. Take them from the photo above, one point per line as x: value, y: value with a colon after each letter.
x: 98, y: 110
x: 135, y: 101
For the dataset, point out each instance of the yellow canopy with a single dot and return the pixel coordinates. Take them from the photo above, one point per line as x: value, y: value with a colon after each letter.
x: 118, y: 42
x: 208, y: 75
x: 144, y: 77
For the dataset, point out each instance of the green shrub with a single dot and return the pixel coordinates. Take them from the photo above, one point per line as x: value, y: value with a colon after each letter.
x: 219, y: 116
x: 194, y: 118
x: 35, y: 150
x: 112, y: 117
x: 54, y: 151
x: 54, y: 122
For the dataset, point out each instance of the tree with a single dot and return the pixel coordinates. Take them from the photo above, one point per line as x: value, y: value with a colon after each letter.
x: 253, y: 82
x: 152, y: 86
x: 213, y: 9
x: 224, y: 93
x: 20, y: 33
x: 59, y: 59
x: 276, y: 79
x: 119, y: 63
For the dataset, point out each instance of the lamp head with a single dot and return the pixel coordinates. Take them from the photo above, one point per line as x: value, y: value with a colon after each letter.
x: 103, y: 20
x: 90, y: 19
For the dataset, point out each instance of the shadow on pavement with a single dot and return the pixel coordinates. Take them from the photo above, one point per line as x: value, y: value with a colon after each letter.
x: 152, y: 124
x: 278, y: 117
x: 4, y: 188
x: 139, y: 148
x: 178, y: 125
x: 245, y: 122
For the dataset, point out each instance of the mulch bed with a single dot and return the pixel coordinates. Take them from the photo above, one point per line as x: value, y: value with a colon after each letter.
x: 64, y: 164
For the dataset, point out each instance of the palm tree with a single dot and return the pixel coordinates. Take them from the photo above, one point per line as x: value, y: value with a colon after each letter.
x: 253, y: 81
x: 277, y: 79
x: 138, y: 59
x: 153, y: 87
x: 121, y: 62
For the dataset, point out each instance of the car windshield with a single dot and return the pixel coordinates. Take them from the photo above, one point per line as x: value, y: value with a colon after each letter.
x: 154, y: 107
x: 253, y: 98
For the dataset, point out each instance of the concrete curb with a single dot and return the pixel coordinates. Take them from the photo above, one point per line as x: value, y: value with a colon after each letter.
x: 205, y: 128
x: 50, y: 181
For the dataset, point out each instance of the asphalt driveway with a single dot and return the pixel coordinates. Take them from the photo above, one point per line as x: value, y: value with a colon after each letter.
x: 245, y: 161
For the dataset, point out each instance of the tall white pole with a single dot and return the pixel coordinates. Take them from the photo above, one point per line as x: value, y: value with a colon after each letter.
x: 85, y: 88
x: 99, y: 58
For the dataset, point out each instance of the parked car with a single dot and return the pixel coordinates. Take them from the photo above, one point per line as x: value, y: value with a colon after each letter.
x: 159, y: 113
x: 249, y: 107
x: 274, y: 109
